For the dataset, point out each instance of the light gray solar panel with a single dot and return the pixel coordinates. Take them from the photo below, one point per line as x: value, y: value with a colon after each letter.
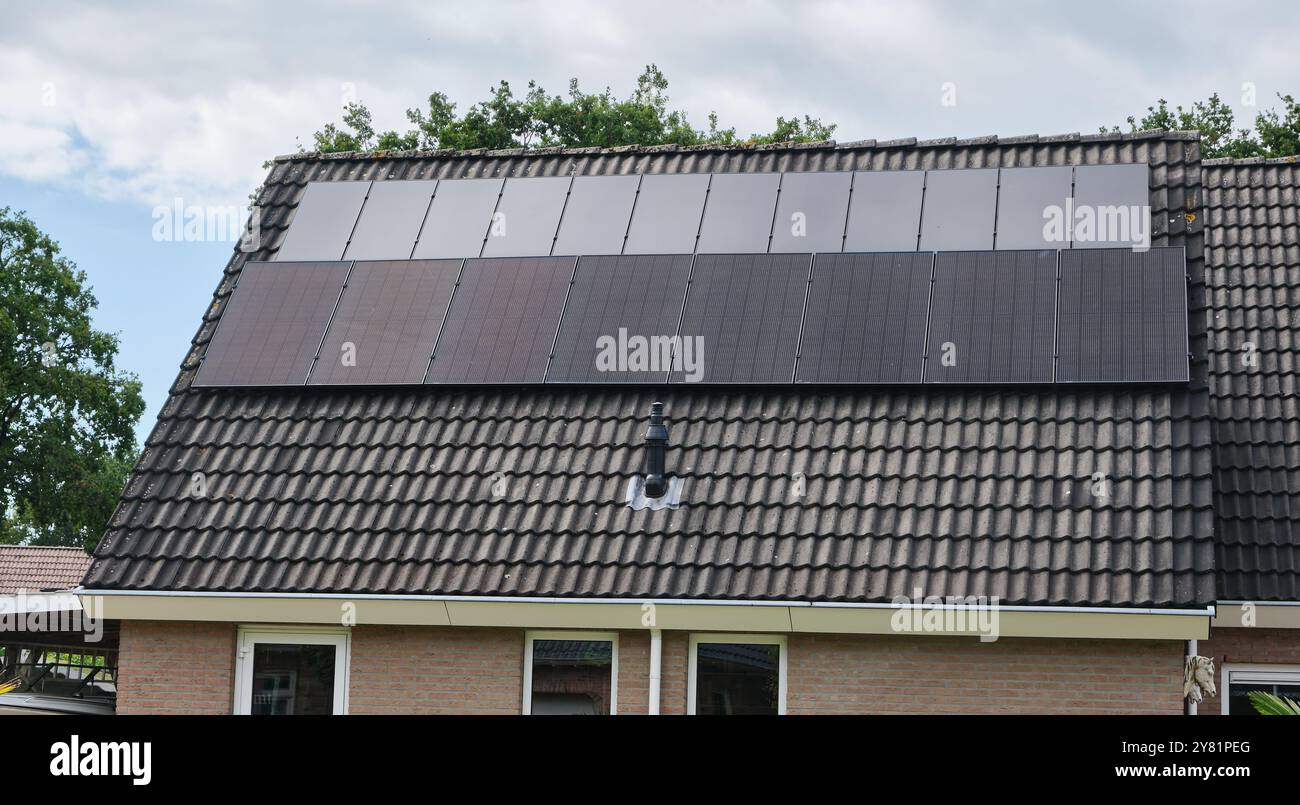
x: 458, y: 218
x: 596, y: 217
x: 1111, y: 206
x: 666, y: 217
x: 884, y: 211
x: 738, y: 214
x: 390, y: 221
x: 1024, y: 194
x: 810, y: 212
x: 958, y: 210
x: 272, y: 324
x: 527, y: 217
x: 323, y: 221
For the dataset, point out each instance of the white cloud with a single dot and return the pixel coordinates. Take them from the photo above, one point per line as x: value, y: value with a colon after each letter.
x: 150, y: 105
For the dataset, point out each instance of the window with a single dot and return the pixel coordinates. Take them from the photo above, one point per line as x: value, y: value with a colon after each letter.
x: 298, y: 672
x: 736, y: 674
x: 1239, y: 680
x: 570, y: 673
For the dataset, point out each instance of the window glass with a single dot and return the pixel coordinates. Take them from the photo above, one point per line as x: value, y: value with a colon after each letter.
x: 293, y: 679
x: 572, y: 677
x: 737, y: 678
x: 1239, y: 703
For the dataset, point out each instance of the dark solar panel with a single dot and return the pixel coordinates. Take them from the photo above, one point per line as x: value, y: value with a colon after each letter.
x: 390, y: 221
x: 1117, y: 199
x: 272, y: 324
x: 502, y: 321
x: 386, y: 323
x: 527, y: 217
x: 742, y: 316
x: 666, y: 218
x: 458, y: 218
x: 884, y: 211
x: 323, y: 221
x: 958, y: 210
x: 597, y: 214
x: 991, y: 317
x: 738, y: 214
x: 1023, y: 196
x: 811, y: 211
x: 1122, y: 316
x: 620, y: 319
x: 865, y: 321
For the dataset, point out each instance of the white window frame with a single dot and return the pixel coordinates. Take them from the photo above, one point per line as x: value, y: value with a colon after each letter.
x: 249, y: 636
x: 728, y: 637
x: 1258, y: 673
x: 532, y: 636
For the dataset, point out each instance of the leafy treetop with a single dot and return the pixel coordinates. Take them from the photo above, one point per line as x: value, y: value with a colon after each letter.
x: 1276, y: 134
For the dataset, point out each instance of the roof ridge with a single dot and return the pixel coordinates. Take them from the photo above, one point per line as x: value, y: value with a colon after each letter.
x: 1249, y: 161
x: 820, y: 145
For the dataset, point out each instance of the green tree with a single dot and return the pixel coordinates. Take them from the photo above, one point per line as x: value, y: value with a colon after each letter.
x: 1276, y: 134
x: 67, y: 415
x: 539, y: 120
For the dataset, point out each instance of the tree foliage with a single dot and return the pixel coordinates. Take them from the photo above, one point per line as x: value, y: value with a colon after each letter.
x: 1276, y: 133
x: 67, y: 415
x: 538, y: 120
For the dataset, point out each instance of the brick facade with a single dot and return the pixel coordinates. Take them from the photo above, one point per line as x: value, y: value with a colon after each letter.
x: 176, y: 667
x: 189, y: 668
x: 1245, y: 646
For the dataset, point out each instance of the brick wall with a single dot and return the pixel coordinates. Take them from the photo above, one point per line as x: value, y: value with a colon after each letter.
x: 189, y: 668
x: 167, y: 667
x: 924, y: 674
x: 436, y: 670
x: 1245, y: 646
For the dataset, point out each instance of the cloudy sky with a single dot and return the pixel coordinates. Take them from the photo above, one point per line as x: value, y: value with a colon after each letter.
x: 107, y: 112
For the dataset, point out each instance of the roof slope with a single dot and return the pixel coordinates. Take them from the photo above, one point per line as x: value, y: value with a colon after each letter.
x: 963, y: 492
x: 33, y: 568
x: 1252, y: 252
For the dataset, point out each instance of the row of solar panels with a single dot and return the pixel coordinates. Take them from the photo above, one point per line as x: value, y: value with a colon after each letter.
x: 949, y: 317
x: 721, y: 213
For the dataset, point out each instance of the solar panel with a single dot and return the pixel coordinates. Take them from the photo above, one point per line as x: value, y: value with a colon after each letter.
x: 272, y: 324
x: 884, y: 211
x: 742, y: 318
x: 1117, y: 199
x: 958, y: 210
x: 390, y: 221
x: 597, y: 214
x: 386, y: 323
x: 666, y: 218
x: 738, y: 214
x: 865, y: 321
x: 527, y: 217
x: 620, y: 319
x: 502, y: 321
x: 1024, y: 194
x: 1122, y: 316
x: 458, y: 218
x: 810, y: 212
x: 323, y: 221
x: 991, y: 317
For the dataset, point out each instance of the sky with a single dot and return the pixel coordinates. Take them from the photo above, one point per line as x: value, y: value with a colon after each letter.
x: 110, y: 111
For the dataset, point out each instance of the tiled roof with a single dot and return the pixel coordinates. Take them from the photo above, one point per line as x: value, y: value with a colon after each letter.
x: 1252, y: 253
x: 32, y: 568
x: 969, y: 491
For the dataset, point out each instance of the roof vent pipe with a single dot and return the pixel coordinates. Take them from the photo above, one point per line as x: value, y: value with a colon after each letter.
x: 656, y: 440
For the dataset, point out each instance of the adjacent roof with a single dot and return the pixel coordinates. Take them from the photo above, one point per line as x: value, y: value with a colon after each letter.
x: 32, y: 568
x: 1252, y: 253
x: 825, y: 494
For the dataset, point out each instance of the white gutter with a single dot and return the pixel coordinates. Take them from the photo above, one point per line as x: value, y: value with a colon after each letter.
x: 1191, y: 652
x: 526, y: 599
x: 656, y: 668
